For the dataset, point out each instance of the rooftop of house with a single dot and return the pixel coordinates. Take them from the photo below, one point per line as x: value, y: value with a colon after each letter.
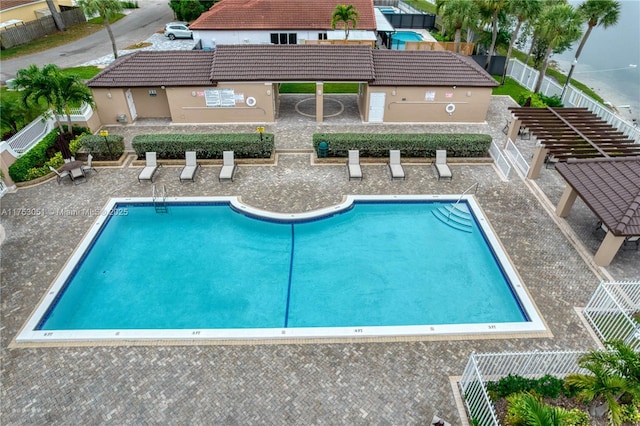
x: 9, y: 4
x: 356, y: 63
x: 280, y: 15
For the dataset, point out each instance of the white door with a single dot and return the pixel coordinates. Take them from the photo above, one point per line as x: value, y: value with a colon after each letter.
x: 132, y: 106
x: 376, y: 107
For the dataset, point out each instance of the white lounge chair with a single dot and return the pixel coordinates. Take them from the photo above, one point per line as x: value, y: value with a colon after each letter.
x: 60, y: 175
x: 150, y: 169
x: 397, y: 172
x: 444, y: 172
x: 190, y: 168
x: 88, y: 166
x: 353, y: 165
x: 228, y: 166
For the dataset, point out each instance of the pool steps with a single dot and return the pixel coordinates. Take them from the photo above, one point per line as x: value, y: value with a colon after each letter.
x: 456, y: 216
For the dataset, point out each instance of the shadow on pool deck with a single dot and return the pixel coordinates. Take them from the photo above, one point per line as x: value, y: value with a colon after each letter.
x: 332, y: 383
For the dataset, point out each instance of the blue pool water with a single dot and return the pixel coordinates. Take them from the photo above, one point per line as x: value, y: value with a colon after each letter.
x: 207, y: 266
x: 398, y: 39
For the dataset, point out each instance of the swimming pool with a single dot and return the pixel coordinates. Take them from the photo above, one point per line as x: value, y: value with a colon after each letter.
x: 398, y: 39
x: 210, y: 270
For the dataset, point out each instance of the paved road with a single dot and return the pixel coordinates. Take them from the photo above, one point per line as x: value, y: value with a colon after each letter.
x: 137, y: 26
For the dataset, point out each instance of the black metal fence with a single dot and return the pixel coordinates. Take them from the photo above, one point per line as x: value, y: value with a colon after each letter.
x: 32, y: 30
x: 411, y: 20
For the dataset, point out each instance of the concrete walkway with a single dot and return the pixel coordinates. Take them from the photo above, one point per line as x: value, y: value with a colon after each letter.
x: 355, y: 383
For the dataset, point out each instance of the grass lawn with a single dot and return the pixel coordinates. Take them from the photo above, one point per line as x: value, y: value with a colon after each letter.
x: 510, y: 88
x: 311, y: 88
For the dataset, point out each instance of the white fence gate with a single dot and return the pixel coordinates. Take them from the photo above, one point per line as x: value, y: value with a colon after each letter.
x: 500, y: 160
x: 614, y: 312
x: 483, y: 368
x: 517, y: 158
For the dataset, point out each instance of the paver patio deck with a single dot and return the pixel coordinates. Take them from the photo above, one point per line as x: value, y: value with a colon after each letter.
x: 355, y: 383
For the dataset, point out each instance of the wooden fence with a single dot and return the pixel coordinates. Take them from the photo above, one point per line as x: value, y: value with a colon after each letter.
x: 32, y: 30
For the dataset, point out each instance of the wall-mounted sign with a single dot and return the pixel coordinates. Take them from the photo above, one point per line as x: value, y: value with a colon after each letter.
x: 430, y: 96
x: 219, y: 98
x: 448, y: 95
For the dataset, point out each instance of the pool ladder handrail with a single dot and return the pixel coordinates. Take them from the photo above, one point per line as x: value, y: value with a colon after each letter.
x: 460, y: 198
x: 160, y: 206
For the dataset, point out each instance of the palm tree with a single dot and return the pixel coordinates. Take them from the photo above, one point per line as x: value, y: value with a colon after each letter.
x: 457, y: 14
x: 596, y: 12
x: 345, y: 14
x: 107, y: 9
x: 493, y: 8
x: 523, y: 10
x: 559, y: 26
x: 615, y: 377
x: 57, y: 19
x: 60, y: 92
x: 528, y: 409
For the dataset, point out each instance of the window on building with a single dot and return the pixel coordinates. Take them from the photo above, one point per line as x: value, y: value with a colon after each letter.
x: 322, y: 36
x: 152, y: 92
x: 284, y: 38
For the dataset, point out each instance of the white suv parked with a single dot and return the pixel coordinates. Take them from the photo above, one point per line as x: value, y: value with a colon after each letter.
x: 175, y: 30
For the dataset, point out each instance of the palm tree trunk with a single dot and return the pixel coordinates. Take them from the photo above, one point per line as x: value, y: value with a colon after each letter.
x: 575, y: 61
x: 113, y: 40
x: 514, y: 36
x: 57, y: 19
x: 494, y: 37
x: 456, y: 39
x: 545, y: 63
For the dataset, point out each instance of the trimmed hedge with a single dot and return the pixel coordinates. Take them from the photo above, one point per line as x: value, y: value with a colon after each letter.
x: 206, y: 145
x: 409, y: 144
x: 36, y: 157
x: 97, y: 146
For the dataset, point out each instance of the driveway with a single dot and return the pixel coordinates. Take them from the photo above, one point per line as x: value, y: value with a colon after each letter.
x: 137, y: 26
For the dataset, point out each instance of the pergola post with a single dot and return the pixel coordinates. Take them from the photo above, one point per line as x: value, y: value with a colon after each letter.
x: 608, y: 249
x: 566, y: 201
x: 538, y: 161
x: 514, y: 129
x: 319, y: 102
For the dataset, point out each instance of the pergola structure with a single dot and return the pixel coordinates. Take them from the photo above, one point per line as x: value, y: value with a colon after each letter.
x: 611, y: 189
x: 566, y: 133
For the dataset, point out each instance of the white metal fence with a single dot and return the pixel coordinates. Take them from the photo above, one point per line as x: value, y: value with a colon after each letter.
x: 500, y: 160
x: 611, y: 312
x: 517, y: 158
x: 527, y: 77
x: 483, y: 368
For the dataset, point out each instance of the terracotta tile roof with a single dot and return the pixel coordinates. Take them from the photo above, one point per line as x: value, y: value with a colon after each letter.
x: 8, y: 4
x: 292, y: 63
x: 160, y: 68
x: 280, y: 15
x: 427, y: 68
x: 611, y: 189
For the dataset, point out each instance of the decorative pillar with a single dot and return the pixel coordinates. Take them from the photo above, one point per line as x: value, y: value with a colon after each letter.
x: 538, y: 161
x: 608, y: 249
x: 513, y: 130
x: 566, y: 201
x: 319, y: 102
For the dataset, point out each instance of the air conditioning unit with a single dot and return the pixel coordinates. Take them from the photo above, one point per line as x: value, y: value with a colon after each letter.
x: 122, y: 118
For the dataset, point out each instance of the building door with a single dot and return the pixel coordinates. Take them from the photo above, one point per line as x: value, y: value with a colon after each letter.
x: 132, y: 106
x: 376, y: 107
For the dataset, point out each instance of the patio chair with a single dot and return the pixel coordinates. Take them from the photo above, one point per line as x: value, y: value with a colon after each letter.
x: 88, y: 166
x: 444, y: 172
x: 550, y: 161
x: 60, y: 175
x: 228, y: 167
x: 150, y: 169
x: 190, y: 168
x: 395, y: 167
x: 353, y: 165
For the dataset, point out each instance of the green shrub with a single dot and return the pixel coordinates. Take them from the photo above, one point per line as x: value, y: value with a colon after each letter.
x: 409, y: 144
x: 34, y: 158
x: 552, y: 101
x: 546, y: 386
x: 630, y: 414
x: 103, y: 148
x: 206, y: 145
x: 76, y: 144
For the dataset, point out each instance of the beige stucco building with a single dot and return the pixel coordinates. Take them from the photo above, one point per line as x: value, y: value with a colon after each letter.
x: 240, y: 83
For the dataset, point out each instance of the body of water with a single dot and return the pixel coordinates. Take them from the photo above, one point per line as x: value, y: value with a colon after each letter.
x: 610, y: 61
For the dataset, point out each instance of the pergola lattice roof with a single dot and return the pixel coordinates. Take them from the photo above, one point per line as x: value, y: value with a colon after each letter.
x: 575, y: 133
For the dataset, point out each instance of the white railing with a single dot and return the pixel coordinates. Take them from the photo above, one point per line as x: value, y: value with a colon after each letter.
x: 611, y: 312
x: 527, y: 77
x: 31, y: 134
x: 513, y: 153
x: 82, y: 113
x: 3, y: 188
x: 483, y: 368
x: 500, y: 160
